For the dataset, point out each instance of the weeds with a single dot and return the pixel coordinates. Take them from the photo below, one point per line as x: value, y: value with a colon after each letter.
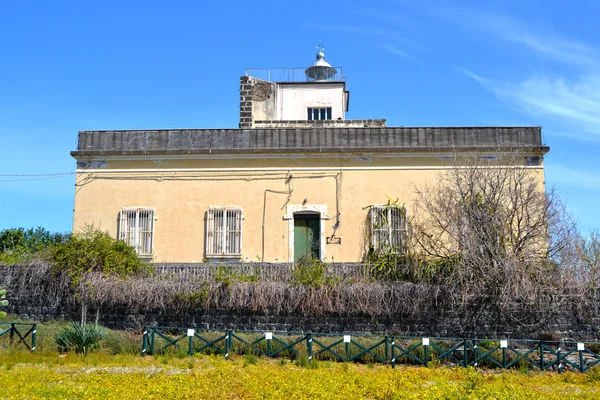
x: 250, y: 359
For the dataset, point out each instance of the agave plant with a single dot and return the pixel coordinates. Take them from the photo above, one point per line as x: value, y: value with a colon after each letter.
x: 82, y: 338
x: 3, y: 302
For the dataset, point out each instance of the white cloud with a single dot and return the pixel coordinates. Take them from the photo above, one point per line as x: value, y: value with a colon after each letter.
x: 572, y: 103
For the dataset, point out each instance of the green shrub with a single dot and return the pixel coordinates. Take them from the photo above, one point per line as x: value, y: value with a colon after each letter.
x: 81, y: 338
x: 310, y: 272
x: 19, y: 244
x: 226, y: 275
x: 250, y: 359
x: 302, y: 361
x: 120, y: 342
x: 94, y: 250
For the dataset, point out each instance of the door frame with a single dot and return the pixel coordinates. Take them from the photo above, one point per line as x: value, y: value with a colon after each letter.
x: 292, y: 209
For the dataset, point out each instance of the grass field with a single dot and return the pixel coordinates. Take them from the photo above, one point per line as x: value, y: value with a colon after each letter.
x: 101, y: 376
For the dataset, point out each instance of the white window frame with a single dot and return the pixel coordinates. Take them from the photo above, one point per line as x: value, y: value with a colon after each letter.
x: 224, y: 232
x: 311, y: 116
x: 136, y: 228
x: 388, y: 228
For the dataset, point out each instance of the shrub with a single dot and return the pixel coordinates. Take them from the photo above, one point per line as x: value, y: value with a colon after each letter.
x: 226, y: 275
x: 250, y: 359
x: 19, y: 244
x: 94, y: 250
x: 302, y: 361
x: 310, y: 272
x: 82, y: 338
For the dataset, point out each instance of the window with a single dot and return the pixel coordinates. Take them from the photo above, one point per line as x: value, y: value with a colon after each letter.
x: 136, y: 228
x: 319, y: 114
x: 224, y: 232
x: 389, y: 230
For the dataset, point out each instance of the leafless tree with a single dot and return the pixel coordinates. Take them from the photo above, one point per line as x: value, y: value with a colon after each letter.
x: 491, y: 232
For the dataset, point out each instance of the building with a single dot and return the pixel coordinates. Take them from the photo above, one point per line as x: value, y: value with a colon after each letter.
x: 295, y: 179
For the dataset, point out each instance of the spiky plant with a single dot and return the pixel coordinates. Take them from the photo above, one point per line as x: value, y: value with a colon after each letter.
x: 82, y: 338
x: 3, y: 302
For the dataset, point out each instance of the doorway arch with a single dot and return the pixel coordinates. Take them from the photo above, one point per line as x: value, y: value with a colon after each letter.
x: 303, y: 219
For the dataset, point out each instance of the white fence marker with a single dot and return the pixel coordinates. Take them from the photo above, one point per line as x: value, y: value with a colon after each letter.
x: 347, y: 339
x: 580, y: 346
x: 269, y: 335
x: 504, y: 344
x: 425, y: 341
x: 190, y: 332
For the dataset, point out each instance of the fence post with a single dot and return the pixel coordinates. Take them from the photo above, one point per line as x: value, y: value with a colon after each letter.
x: 465, y: 355
x: 34, y: 338
x: 425, y: 344
x: 144, y: 341
x: 542, y: 355
x: 309, y: 347
x: 558, y: 359
x: 12, y: 333
x: 227, y: 343
x: 152, y: 340
x: 346, y: 351
x: 191, y: 341
x: 386, y: 349
x: 393, y: 353
x: 580, y: 349
x: 504, y: 346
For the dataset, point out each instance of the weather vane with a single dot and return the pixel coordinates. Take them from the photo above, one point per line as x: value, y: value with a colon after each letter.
x: 321, y: 47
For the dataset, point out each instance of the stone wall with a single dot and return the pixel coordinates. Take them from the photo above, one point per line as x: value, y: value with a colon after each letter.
x: 433, y: 326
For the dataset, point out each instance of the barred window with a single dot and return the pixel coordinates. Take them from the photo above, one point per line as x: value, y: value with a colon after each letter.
x: 388, y: 228
x: 319, y: 113
x: 224, y: 232
x: 136, y: 228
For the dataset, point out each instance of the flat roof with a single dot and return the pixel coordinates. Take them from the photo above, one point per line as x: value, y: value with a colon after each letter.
x: 310, y: 140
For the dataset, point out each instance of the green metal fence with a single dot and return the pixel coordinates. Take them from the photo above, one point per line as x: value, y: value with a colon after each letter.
x: 393, y: 350
x: 18, y: 333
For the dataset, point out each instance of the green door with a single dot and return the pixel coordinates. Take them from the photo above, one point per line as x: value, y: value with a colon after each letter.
x: 307, y: 236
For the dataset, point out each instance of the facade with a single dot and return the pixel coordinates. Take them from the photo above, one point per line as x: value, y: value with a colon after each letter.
x: 295, y: 179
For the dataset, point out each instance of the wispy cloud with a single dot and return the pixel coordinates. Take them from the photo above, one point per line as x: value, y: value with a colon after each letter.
x: 394, y: 18
x: 395, y: 50
x: 367, y: 30
x: 566, y: 176
x: 572, y: 101
x: 391, y: 40
x: 542, y: 41
x: 572, y: 104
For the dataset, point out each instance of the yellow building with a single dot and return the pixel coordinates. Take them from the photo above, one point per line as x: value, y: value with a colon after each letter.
x: 295, y: 179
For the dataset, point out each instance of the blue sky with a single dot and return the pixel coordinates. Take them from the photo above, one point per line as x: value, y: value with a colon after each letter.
x: 73, y: 65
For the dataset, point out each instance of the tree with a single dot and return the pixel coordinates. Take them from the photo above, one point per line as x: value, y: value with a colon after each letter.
x: 492, y: 232
x: 94, y: 250
x: 19, y: 244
